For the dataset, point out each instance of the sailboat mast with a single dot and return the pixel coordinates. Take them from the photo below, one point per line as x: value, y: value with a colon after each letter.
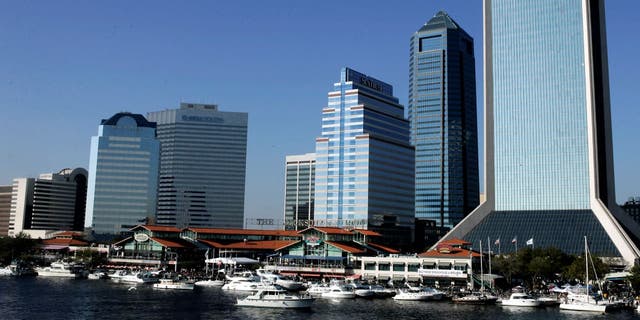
x: 481, y: 271
x: 586, y: 264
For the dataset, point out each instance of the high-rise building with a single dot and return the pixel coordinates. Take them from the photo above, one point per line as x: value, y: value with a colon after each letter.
x: 549, y: 169
x: 5, y: 209
x: 364, y: 159
x: 202, y: 166
x: 300, y: 173
x: 123, y: 174
x: 442, y: 113
x: 53, y: 201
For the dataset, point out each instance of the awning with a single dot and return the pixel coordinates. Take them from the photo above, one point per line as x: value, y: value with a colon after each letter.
x: 460, y: 264
x: 288, y: 256
x: 444, y: 264
x: 288, y: 273
x: 429, y: 264
x: 310, y: 275
x: 368, y: 276
x: 383, y: 278
x: 398, y: 277
x: 414, y: 278
x: 333, y: 276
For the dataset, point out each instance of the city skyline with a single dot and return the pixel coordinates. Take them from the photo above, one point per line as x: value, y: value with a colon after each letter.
x: 125, y: 58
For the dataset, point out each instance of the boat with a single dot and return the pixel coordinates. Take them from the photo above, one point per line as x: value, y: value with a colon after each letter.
x: 6, y: 271
x: 317, y: 288
x: 276, y: 297
x: 218, y: 281
x: 362, y: 291
x: 136, y: 277
x: 584, y: 301
x: 173, y: 284
x: 475, y: 298
x: 411, y: 294
x: 433, y: 294
x: 283, y: 281
x: 63, y: 270
x: 339, y: 291
x: 521, y: 299
x: 382, y: 292
x: 98, y: 275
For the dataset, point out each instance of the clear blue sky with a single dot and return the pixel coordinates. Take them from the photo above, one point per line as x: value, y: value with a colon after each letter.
x: 65, y: 65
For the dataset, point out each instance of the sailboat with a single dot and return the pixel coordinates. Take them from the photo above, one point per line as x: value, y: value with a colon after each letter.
x: 584, y: 302
x: 477, y: 297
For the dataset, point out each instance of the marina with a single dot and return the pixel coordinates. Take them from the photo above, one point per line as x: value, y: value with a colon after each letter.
x: 60, y: 298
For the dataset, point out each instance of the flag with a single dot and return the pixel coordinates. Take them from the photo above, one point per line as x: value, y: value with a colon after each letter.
x: 497, y: 243
x: 530, y: 242
x: 514, y: 240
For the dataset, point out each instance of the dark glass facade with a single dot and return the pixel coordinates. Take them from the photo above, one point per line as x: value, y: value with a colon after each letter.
x: 442, y: 111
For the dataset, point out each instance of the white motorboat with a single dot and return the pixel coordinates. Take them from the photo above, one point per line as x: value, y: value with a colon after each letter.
x: 285, y: 282
x: 210, y: 283
x: 173, y: 284
x: 6, y: 271
x: 434, y: 294
x: 98, y: 275
x: 411, y: 294
x: 362, y: 291
x: 382, y: 292
x: 137, y: 277
x: 548, y: 301
x: 317, y: 288
x: 243, y: 276
x: 584, y: 301
x: 275, y: 297
x: 63, y: 270
x: 520, y: 299
x: 339, y: 292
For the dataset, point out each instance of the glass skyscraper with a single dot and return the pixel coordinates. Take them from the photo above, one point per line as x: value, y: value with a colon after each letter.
x: 123, y: 174
x: 442, y: 112
x: 203, y: 156
x: 300, y: 176
x: 549, y: 164
x: 364, y: 159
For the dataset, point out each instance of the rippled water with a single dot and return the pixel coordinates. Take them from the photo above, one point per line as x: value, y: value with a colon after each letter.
x: 42, y: 298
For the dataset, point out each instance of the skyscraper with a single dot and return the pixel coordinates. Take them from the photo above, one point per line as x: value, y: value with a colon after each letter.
x: 53, y: 201
x: 549, y: 168
x: 123, y: 174
x: 300, y: 173
x: 203, y: 155
x: 442, y: 112
x: 364, y: 161
x: 5, y: 209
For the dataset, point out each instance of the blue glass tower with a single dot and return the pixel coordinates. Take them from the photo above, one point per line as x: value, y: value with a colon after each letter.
x: 442, y: 111
x: 123, y: 174
x: 364, y: 160
x: 549, y: 164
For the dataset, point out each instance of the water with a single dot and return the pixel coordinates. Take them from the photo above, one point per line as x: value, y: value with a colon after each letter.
x: 47, y: 298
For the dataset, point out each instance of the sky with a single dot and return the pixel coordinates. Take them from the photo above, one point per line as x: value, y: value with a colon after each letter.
x: 65, y: 65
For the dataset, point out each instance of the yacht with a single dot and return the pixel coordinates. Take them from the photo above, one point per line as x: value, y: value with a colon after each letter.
x: 339, y: 292
x: 285, y: 282
x: 63, y: 270
x: 412, y: 294
x: 434, y: 294
x: 136, y: 277
x: 382, y: 292
x: 548, y: 301
x: 98, y: 275
x: 521, y: 299
x: 218, y: 281
x: 276, y: 297
x: 173, y: 284
x: 362, y: 291
x: 317, y: 288
x: 6, y: 271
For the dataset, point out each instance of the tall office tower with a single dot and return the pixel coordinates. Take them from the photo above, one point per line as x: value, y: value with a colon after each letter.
x: 442, y: 112
x: 5, y: 209
x: 364, y: 160
x: 300, y: 173
x: 549, y: 168
x: 123, y: 174
x: 202, y: 166
x: 59, y: 200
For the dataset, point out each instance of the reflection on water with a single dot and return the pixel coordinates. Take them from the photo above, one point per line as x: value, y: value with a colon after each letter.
x: 96, y: 299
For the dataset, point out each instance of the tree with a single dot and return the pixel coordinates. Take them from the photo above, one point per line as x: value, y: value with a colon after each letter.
x: 634, y: 278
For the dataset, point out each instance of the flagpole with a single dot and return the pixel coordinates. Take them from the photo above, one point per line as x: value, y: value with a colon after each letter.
x: 489, y: 244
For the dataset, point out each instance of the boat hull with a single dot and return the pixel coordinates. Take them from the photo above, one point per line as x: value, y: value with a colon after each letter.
x: 586, y: 307
x: 302, y: 303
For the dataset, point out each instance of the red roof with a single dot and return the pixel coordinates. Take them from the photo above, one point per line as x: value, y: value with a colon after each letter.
x: 157, y: 228
x: 328, y: 230
x: 65, y: 242
x: 167, y: 243
x: 287, y: 233
x: 381, y: 247
x: 252, y: 245
x: 455, y: 242
x: 454, y: 253
x: 69, y: 234
x: 368, y: 232
x: 346, y: 247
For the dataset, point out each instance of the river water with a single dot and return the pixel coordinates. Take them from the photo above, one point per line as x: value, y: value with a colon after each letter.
x: 47, y: 298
